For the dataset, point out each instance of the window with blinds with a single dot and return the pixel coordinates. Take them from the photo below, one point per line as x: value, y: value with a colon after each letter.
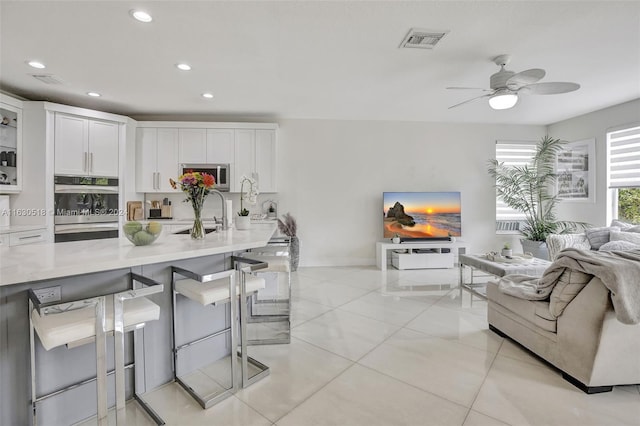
x: 624, y: 157
x: 512, y: 153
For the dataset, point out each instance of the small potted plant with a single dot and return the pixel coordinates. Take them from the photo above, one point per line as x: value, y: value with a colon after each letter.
x: 506, y: 250
x: 395, y: 239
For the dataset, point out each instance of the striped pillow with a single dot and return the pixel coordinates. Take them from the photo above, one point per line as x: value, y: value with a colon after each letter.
x: 599, y: 236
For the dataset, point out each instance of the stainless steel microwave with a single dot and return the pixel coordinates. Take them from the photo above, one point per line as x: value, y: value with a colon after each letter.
x: 220, y: 172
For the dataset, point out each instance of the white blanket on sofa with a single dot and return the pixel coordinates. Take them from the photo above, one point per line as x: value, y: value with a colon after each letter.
x: 619, y: 271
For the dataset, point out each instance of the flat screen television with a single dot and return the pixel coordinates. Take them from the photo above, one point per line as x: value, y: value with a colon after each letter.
x: 422, y: 215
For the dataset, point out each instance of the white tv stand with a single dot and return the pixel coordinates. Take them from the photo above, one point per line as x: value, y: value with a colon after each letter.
x: 436, y: 258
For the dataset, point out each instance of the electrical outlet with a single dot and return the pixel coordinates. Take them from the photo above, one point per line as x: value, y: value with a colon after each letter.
x: 49, y: 294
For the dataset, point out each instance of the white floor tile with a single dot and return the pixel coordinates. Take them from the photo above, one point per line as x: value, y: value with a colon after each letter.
x: 519, y: 393
x: 343, y: 333
x: 324, y: 273
x: 364, y: 397
x: 512, y: 350
x: 445, y: 368
x: 327, y: 293
x: 176, y: 407
x: 390, y: 309
x: 368, y: 279
x: 465, y: 327
x: 135, y: 416
x: 303, y: 310
x: 298, y: 370
x: 478, y: 419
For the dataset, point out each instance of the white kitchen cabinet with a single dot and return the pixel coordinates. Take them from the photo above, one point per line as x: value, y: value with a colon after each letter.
x: 193, y: 146
x: 27, y: 237
x: 4, y: 240
x: 156, y: 159
x: 220, y: 146
x: 255, y: 156
x: 85, y: 147
x: 210, y: 146
x: 10, y: 145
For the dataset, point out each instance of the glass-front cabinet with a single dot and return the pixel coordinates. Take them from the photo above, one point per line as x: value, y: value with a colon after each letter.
x: 10, y: 145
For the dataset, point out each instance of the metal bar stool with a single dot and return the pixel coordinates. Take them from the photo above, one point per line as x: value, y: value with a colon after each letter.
x: 215, y: 289
x: 76, y: 323
x: 272, y: 307
x: 246, y: 278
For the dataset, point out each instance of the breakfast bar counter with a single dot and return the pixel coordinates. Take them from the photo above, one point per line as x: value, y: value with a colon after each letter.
x: 82, y: 269
x: 36, y: 262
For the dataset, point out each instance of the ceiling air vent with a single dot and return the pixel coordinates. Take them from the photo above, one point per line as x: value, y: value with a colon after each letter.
x: 47, y: 78
x: 422, y: 39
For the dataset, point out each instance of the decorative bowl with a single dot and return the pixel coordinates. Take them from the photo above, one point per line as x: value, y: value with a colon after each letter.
x: 140, y: 234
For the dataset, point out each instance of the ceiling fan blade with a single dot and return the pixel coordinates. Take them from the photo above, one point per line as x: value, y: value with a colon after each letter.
x: 524, y: 78
x: 469, y: 100
x: 469, y: 88
x: 551, y: 88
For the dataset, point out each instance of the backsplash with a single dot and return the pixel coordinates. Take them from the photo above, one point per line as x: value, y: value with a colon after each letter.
x: 183, y: 210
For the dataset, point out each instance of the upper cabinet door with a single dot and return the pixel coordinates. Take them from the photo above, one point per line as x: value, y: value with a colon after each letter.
x: 103, y: 148
x: 193, y: 146
x: 167, y: 165
x: 245, y: 157
x: 220, y: 146
x: 266, y: 160
x: 11, y: 147
x: 146, y: 159
x: 71, y: 145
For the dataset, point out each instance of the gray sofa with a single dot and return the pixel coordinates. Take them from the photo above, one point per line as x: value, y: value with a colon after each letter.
x: 586, y: 342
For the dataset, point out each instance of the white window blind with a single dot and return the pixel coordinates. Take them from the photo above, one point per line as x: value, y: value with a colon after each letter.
x: 624, y: 157
x: 512, y: 154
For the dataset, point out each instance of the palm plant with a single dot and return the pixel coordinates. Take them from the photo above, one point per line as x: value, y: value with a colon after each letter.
x: 530, y: 189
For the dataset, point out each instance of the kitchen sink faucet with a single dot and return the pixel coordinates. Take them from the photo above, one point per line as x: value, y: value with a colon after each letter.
x: 224, y: 209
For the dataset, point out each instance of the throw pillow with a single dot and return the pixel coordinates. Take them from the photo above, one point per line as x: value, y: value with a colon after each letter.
x: 621, y: 224
x: 618, y: 245
x: 599, y: 236
x: 632, y: 229
x: 632, y: 237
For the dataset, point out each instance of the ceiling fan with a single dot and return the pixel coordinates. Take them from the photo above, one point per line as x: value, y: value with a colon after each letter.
x: 507, y: 85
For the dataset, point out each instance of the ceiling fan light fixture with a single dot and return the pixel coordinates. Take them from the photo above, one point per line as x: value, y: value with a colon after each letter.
x: 503, y: 100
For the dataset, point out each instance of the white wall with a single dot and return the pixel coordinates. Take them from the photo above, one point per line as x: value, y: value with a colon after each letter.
x: 594, y: 125
x: 332, y: 175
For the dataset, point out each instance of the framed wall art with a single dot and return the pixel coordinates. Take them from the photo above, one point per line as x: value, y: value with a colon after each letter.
x: 576, y: 171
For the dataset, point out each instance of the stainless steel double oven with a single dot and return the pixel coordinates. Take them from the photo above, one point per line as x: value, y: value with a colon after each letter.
x: 86, y: 208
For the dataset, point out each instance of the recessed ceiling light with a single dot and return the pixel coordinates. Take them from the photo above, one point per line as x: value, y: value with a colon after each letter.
x: 36, y: 64
x: 207, y: 95
x: 94, y: 94
x: 141, y: 15
x: 184, y: 67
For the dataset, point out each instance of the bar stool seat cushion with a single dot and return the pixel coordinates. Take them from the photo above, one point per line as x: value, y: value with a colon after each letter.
x: 214, y: 291
x: 67, y: 327
x: 276, y: 263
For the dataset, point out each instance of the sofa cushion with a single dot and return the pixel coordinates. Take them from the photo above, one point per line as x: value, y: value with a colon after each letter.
x: 621, y: 224
x: 631, y: 237
x: 569, y: 284
x: 618, y: 245
x: 535, y: 312
x: 599, y: 236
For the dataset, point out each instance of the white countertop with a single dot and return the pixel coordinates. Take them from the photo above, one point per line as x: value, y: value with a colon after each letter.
x: 34, y: 262
x: 20, y: 228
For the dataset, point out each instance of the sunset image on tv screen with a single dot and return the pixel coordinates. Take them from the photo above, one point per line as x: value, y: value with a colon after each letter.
x: 422, y: 214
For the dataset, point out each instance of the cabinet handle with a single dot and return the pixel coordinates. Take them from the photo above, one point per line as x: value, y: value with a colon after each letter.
x: 84, y: 161
x: 91, y: 162
x: 158, y: 187
x: 29, y: 237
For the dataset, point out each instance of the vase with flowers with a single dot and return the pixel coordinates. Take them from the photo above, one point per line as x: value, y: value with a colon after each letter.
x: 249, y: 195
x: 197, y: 186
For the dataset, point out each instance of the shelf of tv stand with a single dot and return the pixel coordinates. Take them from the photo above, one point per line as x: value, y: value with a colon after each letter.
x: 456, y: 247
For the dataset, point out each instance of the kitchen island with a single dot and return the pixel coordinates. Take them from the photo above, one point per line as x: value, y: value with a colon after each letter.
x: 89, y: 268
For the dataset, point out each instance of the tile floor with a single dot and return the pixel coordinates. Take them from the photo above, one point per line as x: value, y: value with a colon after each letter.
x: 397, y: 348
